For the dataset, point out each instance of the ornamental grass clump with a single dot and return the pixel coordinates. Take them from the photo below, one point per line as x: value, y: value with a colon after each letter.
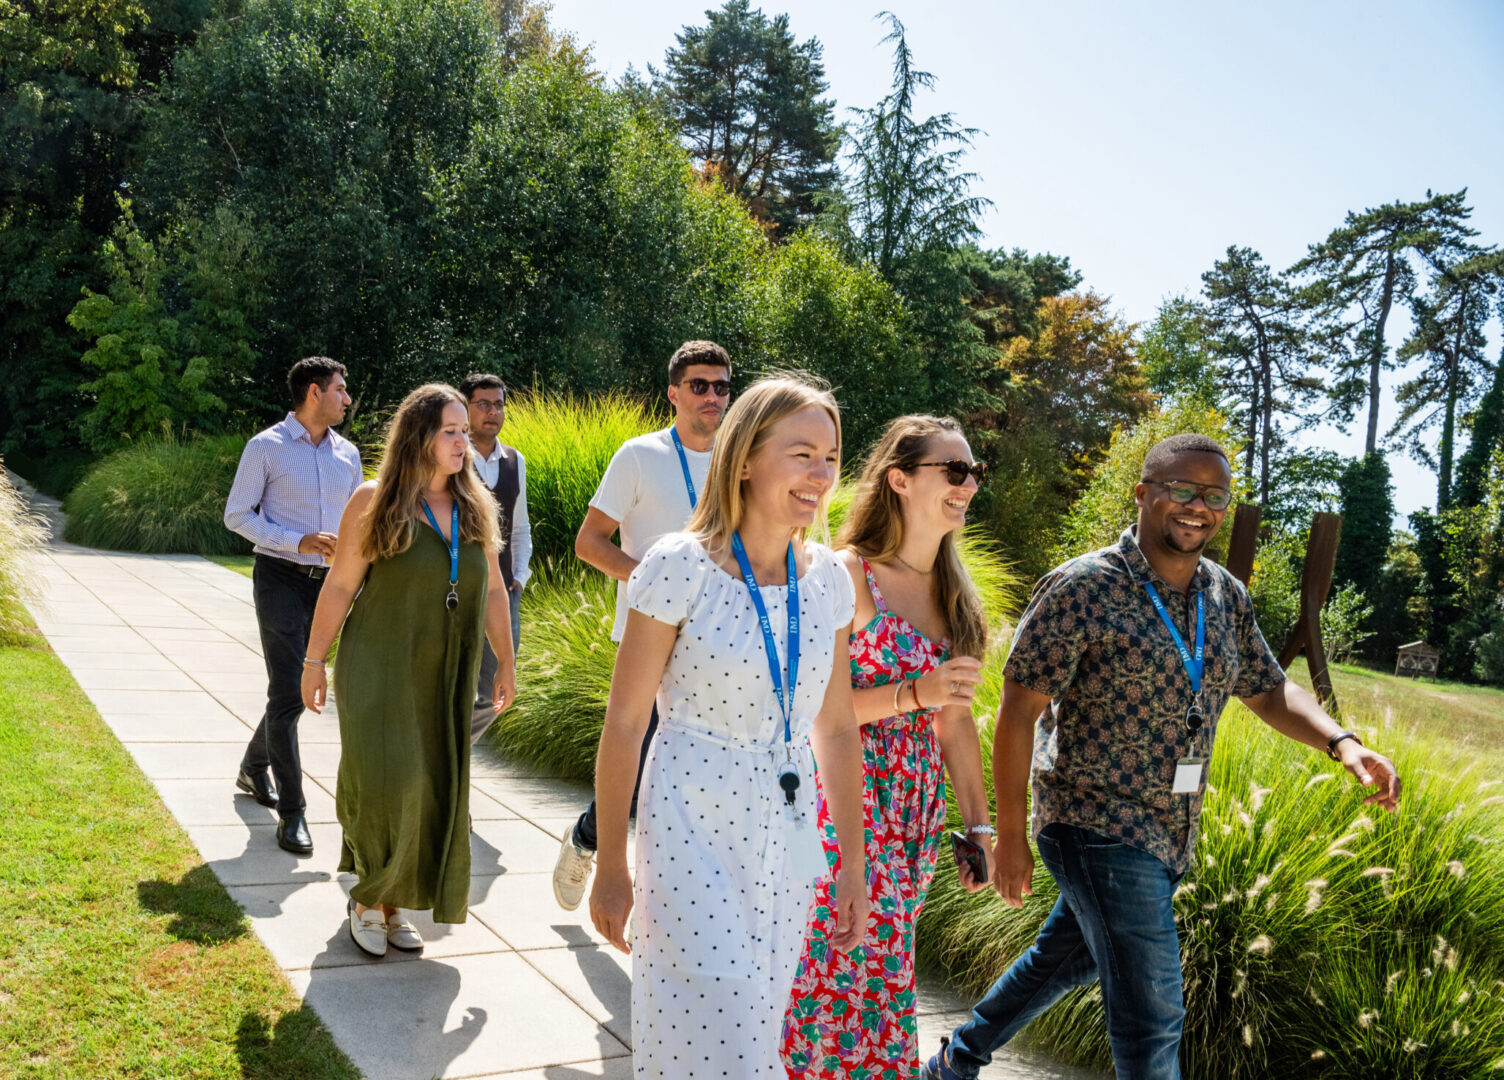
x: 568, y: 442
x: 563, y: 675
x: 21, y: 532
x: 160, y: 496
x: 1320, y: 938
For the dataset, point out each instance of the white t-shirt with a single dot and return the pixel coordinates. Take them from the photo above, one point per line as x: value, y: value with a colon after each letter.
x: 644, y: 490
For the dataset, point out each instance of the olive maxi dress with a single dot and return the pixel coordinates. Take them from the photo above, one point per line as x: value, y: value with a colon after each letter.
x: 405, y: 688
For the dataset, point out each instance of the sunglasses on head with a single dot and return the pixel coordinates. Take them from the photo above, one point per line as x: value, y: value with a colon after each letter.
x: 698, y: 387
x: 1184, y: 492
x: 957, y: 471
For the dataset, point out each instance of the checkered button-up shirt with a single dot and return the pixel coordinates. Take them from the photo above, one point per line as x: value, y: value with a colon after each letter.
x: 1105, y: 749
x: 286, y: 488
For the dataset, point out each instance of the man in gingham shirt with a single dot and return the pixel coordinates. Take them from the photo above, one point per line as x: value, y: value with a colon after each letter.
x: 291, y: 487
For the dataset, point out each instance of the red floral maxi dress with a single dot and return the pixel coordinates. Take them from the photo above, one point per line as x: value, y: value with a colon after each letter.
x: 852, y: 1016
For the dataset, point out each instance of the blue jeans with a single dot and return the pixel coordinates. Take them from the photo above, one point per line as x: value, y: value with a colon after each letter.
x: 1114, y: 922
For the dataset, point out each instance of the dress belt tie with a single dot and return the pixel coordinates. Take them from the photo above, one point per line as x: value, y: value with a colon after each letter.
x: 743, y: 745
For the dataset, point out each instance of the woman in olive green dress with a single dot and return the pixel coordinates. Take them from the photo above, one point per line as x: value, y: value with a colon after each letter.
x: 416, y: 573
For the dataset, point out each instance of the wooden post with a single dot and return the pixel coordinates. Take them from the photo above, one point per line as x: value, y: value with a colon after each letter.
x: 1245, y: 541
x: 1315, y: 583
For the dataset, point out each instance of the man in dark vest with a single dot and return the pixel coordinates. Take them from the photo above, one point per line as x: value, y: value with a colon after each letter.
x: 503, y: 470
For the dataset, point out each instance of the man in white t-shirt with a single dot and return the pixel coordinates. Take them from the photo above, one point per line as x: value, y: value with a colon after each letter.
x: 650, y: 489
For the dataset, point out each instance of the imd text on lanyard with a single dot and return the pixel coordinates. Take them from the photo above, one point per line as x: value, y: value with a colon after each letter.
x: 451, y: 601
x: 1189, y: 770
x: 788, y: 776
x: 689, y: 483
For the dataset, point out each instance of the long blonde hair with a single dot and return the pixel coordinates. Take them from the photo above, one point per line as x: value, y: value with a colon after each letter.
x: 742, y: 434
x: 386, y: 527
x: 874, y: 527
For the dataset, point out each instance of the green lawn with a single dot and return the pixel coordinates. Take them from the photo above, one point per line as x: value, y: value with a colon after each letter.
x: 122, y: 955
x: 1469, y: 718
x: 241, y: 564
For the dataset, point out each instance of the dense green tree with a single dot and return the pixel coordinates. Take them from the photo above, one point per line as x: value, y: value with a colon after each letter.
x: 1306, y: 482
x: 907, y: 207
x: 1360, y: 271
x: 1487, y: 440
x: 1367, y: 524
x: 1006, y: 288
x: 1265, y: 349
x: 1180, y: 360
x: 1450, y: 342
x: 73, y: 78
x: 749, y: 100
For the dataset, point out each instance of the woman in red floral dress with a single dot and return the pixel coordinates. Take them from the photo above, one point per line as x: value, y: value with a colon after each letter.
x: 917, y: 640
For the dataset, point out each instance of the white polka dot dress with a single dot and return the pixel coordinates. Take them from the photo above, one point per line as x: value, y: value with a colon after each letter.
x: 720, y: 916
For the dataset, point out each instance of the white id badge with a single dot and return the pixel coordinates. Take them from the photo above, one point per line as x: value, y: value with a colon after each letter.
x: 1188, y: 775
x: 806, y: 852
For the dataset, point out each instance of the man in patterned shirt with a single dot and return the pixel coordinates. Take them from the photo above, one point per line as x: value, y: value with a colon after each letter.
x: 1109, y: 660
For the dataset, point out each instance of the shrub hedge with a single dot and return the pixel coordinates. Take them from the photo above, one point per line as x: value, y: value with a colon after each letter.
x: 160, y: 496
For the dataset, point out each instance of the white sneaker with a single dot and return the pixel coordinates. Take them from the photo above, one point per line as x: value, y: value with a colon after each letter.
x: 571, y: 872
x: 401, y: 934
x: 368, y: 930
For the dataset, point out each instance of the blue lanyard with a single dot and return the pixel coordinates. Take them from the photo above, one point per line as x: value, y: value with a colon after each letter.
x: 1193, y: 664
x: 767, y: 629
x: 684, y: 464
x: 454, y: 540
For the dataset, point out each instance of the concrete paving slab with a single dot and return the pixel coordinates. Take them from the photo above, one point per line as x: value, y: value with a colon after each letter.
x: 538, y: 798
x: 469, y: 1016
x: 249, y: 855
x: 511, y: 847
x: 132, y: 678
x: 170, y: 636
x: 521, y: 908
x: 193, y: 656
x: 92, y: 659
x: 610, y: 1069
x: 168, y: 704
x: 303, y: 921
x: 188, y: 761
x: 216, y: 802
x: 100, y: 640
x: 135, y: 729
x: 485, y: 808
x: 597, y: 978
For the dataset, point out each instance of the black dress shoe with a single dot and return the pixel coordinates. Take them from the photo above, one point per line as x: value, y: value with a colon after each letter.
x: 258, y: 787
x: 292, y: 835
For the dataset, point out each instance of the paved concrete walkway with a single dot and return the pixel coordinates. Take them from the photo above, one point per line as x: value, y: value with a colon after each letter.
x: 167, y: 649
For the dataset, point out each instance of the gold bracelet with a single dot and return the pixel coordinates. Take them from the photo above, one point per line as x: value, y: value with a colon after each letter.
x: 914, y: 689
x: 898, y: 685
x: 312, y: 663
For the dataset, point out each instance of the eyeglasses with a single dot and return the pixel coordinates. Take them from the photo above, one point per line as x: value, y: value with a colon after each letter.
x: 699, y: 387
x: 1184, y: 492
x: 957, y: 471
x: 487, y: 406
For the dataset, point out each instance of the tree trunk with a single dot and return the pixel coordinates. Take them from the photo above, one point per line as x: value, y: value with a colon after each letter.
x: 1376, y: 357
x: 1449, y: 415
x: 1268, y: 391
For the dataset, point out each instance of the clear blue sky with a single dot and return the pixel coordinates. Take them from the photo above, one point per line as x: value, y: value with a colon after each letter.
x: 1141, y: 139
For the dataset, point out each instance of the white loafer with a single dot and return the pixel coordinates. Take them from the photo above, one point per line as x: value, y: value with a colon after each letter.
x: 368, y: 930
x: 401, y: 934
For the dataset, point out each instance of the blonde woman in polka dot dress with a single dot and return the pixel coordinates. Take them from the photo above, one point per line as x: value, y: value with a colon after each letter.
x: 915, y: 654
x: 728, y: 847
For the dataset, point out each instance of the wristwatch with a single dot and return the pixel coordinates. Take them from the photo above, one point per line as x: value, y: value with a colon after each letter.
x: 1331, y: 744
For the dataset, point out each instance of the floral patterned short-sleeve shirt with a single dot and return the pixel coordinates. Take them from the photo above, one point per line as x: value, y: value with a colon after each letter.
x: 1105, y: 750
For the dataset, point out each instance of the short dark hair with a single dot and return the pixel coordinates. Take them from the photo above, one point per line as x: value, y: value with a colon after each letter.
x: 477, y: 380
x: 696, y: 352
x: 1166, y: 450
x: 310, y: 370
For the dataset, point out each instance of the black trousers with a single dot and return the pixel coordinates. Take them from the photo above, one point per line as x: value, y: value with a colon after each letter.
x: 285, y: 598
x: 584, y: 829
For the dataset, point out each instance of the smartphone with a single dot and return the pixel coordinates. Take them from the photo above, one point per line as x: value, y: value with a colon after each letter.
x: 971, y: 854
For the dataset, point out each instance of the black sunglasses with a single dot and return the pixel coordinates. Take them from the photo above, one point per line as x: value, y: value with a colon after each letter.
x: 957, y: 471
x: 698, y: 387
x: 1184, y: 492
